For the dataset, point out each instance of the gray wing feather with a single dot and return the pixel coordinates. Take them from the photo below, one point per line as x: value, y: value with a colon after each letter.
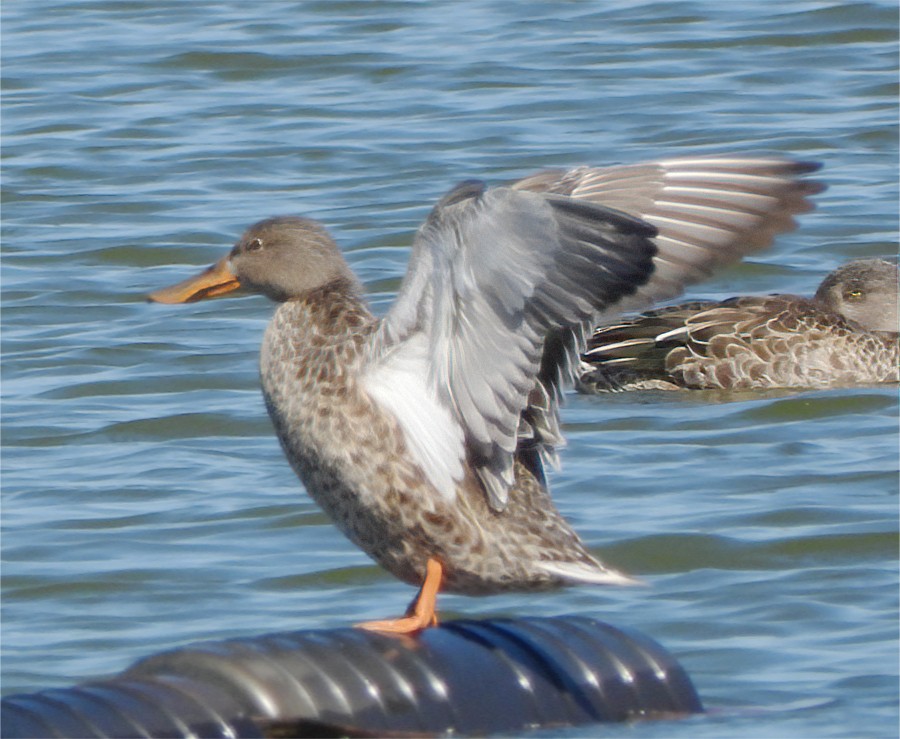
x: 710, y: 211
x: 494, y: 275
x: 507, y: 284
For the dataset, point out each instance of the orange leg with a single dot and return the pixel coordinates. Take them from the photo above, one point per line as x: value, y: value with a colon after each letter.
x: 421, y: 613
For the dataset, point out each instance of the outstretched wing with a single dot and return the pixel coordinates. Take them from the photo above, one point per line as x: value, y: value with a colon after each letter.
x: 495, y: 275
x: 504, y: 286
x: 710, y: 211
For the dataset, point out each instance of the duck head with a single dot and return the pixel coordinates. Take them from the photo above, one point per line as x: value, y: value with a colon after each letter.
x: 283, y: 258
x: 865, y: 291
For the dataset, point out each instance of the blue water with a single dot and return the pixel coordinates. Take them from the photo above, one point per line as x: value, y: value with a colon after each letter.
x: 146, y: 503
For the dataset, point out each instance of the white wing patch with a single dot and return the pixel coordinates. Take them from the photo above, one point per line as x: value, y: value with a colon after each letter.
x: 398, y: 382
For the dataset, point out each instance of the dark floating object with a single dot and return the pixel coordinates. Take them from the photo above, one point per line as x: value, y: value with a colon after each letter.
x: 465, y: 677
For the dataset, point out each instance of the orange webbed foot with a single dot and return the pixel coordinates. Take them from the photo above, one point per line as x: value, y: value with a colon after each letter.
x: 421, y: 613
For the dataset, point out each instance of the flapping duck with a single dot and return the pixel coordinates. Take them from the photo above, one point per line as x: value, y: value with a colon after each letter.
x: 425, y: 434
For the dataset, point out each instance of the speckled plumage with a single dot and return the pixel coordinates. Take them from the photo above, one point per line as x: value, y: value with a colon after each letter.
x: 775, y: 341
x: 354, y: 462
x: 424, y: 434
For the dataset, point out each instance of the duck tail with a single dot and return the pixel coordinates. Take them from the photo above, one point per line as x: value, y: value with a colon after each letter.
x: 586, y: 573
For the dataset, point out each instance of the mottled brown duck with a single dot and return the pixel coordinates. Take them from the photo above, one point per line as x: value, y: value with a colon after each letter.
x: 424, y: 434
x: 846, y: 334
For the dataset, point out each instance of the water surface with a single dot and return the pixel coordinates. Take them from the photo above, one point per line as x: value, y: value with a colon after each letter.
x: 146, y: 503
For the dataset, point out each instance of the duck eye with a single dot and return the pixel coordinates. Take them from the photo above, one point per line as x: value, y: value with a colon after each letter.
x: 254, y: 245
x: 854, y: 295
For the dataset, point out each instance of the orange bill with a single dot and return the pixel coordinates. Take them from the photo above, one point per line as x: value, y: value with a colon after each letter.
x: 215, y: 280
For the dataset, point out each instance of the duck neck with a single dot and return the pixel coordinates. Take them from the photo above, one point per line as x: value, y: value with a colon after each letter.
x: 329, y: 315
x: 320, y: 334
x: 331, y: 310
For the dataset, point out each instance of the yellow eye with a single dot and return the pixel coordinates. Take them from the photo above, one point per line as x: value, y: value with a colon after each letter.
x: 853, y: 295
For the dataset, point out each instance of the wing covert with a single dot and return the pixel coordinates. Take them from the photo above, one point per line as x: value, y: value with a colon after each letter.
x: 495, y: 277
x: 505, y: 285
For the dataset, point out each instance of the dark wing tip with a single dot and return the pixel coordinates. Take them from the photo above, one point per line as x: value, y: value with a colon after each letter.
x: 808, y: 187
x: 465, y: 190
x: 801, y: 167
x: 805, y: 166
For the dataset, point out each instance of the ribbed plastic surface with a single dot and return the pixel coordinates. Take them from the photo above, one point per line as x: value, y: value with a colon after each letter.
x: 469, y: 677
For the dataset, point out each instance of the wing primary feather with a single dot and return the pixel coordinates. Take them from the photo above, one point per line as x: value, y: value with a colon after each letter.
x: 505, y: 284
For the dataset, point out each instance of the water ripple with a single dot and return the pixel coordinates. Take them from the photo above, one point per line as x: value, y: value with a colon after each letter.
x: 146, y: 502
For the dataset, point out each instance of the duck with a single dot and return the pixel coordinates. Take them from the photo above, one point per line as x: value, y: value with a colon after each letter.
x: 845, y: 335
x: 426, y: 434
